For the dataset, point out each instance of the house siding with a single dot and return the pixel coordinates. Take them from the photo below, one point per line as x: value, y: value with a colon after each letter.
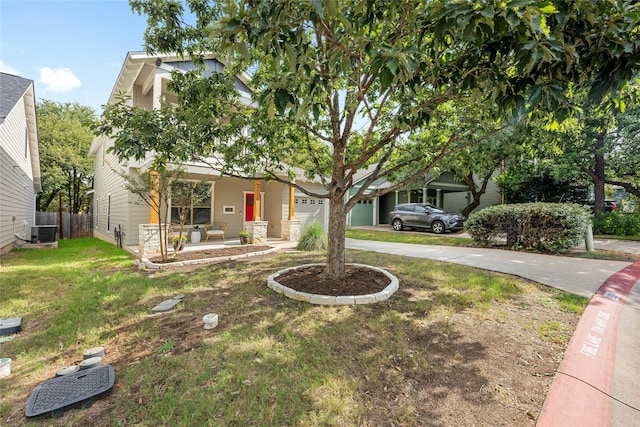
x: 320, y: 213
x: 17, y: 193
x: 456, y: 202
x: 111, y: 198
x: 231, y: 192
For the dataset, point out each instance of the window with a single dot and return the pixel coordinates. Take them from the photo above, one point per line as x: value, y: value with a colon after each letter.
x: 108, y: 212
x: 192, y: 200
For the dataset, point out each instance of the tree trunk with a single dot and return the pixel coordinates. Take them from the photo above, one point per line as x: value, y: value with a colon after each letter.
x: 598, y: 176
x: 43, y: 201
x: 335, y: 267
x: 477, y: 193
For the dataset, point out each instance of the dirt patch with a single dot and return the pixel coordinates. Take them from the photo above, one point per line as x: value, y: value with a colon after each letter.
x: 225, y: 252
x: 358, y: 281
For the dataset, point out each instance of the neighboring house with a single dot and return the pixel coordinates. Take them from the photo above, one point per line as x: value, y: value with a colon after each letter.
x: 231, y: 200
x: 19, y: 159
x: 445, y: 191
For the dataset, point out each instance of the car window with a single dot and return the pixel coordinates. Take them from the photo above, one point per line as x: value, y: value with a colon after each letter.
x: 407, y: 208
x: 421, y: 209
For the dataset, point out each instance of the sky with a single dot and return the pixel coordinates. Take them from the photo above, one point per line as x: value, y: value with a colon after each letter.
x: 73, y: 50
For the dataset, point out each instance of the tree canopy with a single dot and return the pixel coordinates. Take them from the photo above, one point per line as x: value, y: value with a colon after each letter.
x: 64, y: 137
x: 375, y: 81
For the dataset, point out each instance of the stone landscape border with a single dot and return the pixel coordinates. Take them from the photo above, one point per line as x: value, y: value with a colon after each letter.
x: 334, y: 300
x: 146, y: 263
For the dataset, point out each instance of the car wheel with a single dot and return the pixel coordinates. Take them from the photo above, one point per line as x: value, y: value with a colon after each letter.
x: 437, y: 227
x: 397, y: 225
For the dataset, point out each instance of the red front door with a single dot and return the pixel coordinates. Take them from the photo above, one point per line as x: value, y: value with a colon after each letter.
x: 248, y: 207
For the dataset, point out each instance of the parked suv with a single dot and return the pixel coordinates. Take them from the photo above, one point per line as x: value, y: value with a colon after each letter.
x: 609, y: 205
x: 424, y: 216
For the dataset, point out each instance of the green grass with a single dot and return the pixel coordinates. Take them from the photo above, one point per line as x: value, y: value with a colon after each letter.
x: 270, y: 361
x: 616, y: 237
x: 421, y: 238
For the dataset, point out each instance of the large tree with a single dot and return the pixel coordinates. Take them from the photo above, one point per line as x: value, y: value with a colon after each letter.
x: 599, y: 143
x: 370, y: 80
x: 64, y: 137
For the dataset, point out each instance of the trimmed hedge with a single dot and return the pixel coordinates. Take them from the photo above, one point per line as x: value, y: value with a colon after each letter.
x: 548, y: 227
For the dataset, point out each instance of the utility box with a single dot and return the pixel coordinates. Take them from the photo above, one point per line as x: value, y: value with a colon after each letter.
x: 44, y: 233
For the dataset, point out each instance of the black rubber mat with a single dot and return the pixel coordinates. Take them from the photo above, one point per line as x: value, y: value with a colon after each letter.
x: 80, y: 387
x: 10, y: 325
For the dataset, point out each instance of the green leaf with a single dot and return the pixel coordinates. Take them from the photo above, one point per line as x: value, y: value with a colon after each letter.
x: 392, y: 65
x: 282, y: 99
x: 488, y: 12
x: 386, y: 78
x: 546, y: 7
x: 318, y: 7
x: 516, y: 3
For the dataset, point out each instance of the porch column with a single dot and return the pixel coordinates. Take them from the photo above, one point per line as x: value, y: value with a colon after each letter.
x: 292, y: 201
x: 154, y: 215
x: 424, y: 195
x: 256, y: 200
x: 438, y: 197
x: 396, y: 193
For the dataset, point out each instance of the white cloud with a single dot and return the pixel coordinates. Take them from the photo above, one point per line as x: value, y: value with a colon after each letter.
x: 59, y: 80
x: 7, y: 69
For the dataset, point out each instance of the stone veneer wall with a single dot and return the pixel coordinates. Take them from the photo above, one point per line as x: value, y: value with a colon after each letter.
x: 148, y: 239
x: 291, y: 229
x: 258, y: 231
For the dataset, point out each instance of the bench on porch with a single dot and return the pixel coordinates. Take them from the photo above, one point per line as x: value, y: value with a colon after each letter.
x: 214, y: 230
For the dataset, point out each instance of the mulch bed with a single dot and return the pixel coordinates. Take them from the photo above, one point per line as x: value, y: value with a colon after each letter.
x: 358, y: 281
x: 224, y: 252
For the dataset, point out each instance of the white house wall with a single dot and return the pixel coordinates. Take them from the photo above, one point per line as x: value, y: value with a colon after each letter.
x: 456, y: 202
x: 111, y: 200
x: 17, y: 194
x: 230, y: 192
x: 319, y: 211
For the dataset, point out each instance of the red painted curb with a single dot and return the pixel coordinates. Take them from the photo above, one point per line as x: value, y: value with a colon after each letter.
x: 581, y: 390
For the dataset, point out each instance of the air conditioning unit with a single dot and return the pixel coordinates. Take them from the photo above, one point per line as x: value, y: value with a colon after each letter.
x: 44, y: 233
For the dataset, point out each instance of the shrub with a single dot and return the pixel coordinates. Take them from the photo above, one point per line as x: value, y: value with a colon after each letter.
x: 550, y: 227
x: 313, y: 238
x: 617, y: 223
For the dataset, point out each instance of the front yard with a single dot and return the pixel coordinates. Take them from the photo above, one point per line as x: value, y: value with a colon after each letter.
x: 454, y: 345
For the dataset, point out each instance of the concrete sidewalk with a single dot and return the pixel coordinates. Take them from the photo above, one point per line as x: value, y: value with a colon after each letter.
x: 576, y: 275
x: 598, y: 381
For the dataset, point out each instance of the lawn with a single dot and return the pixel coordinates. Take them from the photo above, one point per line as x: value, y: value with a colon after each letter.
x: 454, y: 346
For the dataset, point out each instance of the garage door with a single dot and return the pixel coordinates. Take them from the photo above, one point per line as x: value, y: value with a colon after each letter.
x: 309, y: 209
x: 362, y: 213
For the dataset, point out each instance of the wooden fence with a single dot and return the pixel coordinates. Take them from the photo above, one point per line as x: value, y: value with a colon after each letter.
x: 73, y: 225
